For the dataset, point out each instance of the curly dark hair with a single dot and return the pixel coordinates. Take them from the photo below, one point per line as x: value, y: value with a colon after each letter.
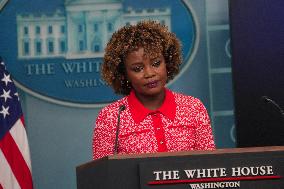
x: 150, y: 35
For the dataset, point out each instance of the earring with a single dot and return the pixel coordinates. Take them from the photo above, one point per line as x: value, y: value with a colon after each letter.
x: 128, y: 85
x: 125, y: 82
x: 168, y: 75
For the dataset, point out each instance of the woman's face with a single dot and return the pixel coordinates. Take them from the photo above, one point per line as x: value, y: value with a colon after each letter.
x: 148, y: 76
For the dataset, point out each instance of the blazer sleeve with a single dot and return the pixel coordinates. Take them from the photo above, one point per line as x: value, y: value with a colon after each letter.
x: 103, y: 135
x: 204, y: 134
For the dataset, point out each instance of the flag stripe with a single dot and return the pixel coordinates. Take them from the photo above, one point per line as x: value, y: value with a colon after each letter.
x: 7, y: 178
x: 19, y: 135
x: 16, y: 161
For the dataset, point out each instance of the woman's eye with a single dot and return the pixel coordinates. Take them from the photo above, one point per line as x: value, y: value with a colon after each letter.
x: 156, y: 63
x: 137, y: 68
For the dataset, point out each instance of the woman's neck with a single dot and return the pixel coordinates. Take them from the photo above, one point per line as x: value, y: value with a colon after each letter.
x: 152, y: 102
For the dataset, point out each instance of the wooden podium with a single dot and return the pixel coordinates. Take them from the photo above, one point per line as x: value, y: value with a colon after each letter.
x: 244, y: 168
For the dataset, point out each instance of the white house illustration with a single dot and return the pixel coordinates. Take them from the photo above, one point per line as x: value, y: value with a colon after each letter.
x: 81, y: 30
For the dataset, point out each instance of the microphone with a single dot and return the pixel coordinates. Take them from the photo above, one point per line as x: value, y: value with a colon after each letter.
x: 270, y: 101
x: 121, y: 108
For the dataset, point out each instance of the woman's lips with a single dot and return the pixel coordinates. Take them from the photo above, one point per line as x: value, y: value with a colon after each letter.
x: 152, y: 84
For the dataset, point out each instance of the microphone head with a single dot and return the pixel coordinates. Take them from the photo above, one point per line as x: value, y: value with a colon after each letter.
x: 269, y: 100
x: 122, y: 107
x: 265, y: 98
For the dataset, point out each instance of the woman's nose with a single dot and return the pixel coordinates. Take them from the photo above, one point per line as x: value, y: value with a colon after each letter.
x: 149, y: 72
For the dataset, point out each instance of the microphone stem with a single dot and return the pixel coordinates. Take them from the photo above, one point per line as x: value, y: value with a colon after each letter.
x: 115, y: 150
x: 116, y: 136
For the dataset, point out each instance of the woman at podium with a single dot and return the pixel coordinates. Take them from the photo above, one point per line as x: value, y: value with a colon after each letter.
x: 139, y: 61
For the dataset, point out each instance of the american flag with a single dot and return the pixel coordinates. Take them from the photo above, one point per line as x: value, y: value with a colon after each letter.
x: 15, y: 164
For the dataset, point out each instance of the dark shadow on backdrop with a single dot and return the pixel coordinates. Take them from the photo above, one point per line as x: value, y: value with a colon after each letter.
x: 257, y: 43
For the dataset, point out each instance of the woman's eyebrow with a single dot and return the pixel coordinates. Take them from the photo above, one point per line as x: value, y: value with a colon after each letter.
x: 136, y: 63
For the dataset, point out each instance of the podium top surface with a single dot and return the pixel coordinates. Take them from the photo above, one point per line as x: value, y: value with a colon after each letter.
x: 198, y: 152
x: 186, y: 153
